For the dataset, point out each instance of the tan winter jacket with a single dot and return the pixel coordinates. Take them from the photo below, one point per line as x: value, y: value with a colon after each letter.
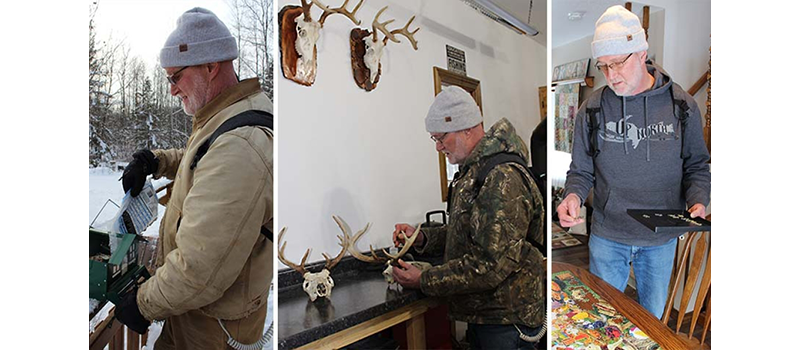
x: 212, y: 256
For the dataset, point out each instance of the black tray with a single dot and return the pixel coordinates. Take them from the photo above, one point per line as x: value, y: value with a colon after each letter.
x: 664, y: 221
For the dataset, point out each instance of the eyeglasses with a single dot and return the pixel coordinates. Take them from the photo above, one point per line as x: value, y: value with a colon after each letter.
x: 439, y: 139
x: 172, y: 79
x: 612, y: 66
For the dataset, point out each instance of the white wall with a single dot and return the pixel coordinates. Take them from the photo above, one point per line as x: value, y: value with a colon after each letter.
x: 687, y: 39
x: 365, y: 156
x: 679, y: 38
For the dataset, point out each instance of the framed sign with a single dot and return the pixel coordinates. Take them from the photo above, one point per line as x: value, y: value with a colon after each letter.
x: 443, y: 78
x: 573, y: 70
x: 456, y: 60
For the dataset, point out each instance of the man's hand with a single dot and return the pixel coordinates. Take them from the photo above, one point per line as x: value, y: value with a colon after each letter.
x: 697, y: 211
x: 402, y: 232
x: 406, y: 274
x: 128, y: 313
x: 568, y: 211
x: 144, y: 163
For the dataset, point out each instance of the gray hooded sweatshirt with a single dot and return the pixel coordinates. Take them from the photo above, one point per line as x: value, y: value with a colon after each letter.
x: 654, y: 164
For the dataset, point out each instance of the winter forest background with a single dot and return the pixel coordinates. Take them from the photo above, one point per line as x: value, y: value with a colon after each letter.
x: 130, y: 106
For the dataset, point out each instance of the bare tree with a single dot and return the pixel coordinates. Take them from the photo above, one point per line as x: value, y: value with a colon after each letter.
x: 253, y: 26
x: 131, y: 106
x: 100, y: 136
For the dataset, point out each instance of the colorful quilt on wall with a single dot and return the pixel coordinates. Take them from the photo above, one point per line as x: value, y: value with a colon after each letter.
x: 567, y: 103
x: 583, y: 320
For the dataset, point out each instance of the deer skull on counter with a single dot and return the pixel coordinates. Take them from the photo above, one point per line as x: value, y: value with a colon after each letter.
x: 366, y: 49
x: 319, y: 284
x: 299, y: 44
x: 389, y: 259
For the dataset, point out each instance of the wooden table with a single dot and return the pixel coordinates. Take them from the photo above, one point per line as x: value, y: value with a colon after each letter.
x: 629, y: 308
x: 413, y: 315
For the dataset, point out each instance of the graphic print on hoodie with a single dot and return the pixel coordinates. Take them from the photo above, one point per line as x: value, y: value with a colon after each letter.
x: 659, y: 131
x: 648, y: 159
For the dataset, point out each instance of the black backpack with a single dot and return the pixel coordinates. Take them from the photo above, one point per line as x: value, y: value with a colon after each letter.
x: 247, y: 118
x: 680, y: 109
x: 503, y: 158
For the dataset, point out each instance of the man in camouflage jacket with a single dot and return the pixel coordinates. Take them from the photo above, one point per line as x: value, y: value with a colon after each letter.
x: 493, y: 277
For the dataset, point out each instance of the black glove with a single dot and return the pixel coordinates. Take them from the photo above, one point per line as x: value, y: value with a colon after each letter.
x: 128, y: 313
x: 144, y: 163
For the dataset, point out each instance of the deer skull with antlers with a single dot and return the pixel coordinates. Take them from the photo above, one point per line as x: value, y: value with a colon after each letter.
x: 319, y: 284
x: 299, y: 44
x: 366, y: 49
x: 389, y: 259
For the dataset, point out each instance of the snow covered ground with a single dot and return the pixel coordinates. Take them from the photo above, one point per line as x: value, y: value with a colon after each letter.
x: 104, y: 184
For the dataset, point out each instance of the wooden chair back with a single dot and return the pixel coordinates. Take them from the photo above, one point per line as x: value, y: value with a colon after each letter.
x: 692, y: 271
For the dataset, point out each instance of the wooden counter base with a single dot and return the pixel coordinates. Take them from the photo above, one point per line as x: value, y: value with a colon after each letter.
x: 413, y: 313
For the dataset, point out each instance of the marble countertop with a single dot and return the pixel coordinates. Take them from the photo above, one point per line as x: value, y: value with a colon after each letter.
x: 360, y: 293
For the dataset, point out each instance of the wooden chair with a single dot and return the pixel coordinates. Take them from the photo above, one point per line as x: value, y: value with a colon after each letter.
x: 692, y: 272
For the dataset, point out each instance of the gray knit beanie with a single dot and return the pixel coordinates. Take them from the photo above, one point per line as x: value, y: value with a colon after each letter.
x: 453, y: 109
x: 617, y: 32
x: 200, y: 37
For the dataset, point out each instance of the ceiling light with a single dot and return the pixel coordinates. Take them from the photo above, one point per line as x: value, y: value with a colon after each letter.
x: 489, y: 8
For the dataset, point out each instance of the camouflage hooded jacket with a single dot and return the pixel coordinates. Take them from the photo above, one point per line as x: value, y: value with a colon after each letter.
x: 491, y: 274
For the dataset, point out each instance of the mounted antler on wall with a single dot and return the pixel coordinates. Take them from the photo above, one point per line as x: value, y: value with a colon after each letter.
x: 366, y: 49
x: 319, y: 284
x: 299, y: 33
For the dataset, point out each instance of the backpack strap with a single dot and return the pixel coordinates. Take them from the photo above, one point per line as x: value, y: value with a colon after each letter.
x: 247, y: 118
x: 681, y: 110
x: 592, y: 111
x: 503, y: 158
x: 497, y: 159
x: 267, y: 233
x: 450, y: 192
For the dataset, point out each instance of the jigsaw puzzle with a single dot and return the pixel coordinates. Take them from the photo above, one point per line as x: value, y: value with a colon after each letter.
x: 583, y: 320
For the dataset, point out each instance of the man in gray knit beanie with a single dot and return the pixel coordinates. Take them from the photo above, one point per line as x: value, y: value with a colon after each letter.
x: 214, y: 264
x: 455, y: 123
x: 615, y: 131
x: 618, y: 39
x: 200, y: 46
x: 494, y: 276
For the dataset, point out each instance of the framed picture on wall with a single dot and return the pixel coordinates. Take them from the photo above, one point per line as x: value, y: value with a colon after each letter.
x: 443, y: 78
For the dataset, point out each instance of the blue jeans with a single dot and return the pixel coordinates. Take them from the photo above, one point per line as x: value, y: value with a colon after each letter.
x: 499, y: 336
x: 652, y: 267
